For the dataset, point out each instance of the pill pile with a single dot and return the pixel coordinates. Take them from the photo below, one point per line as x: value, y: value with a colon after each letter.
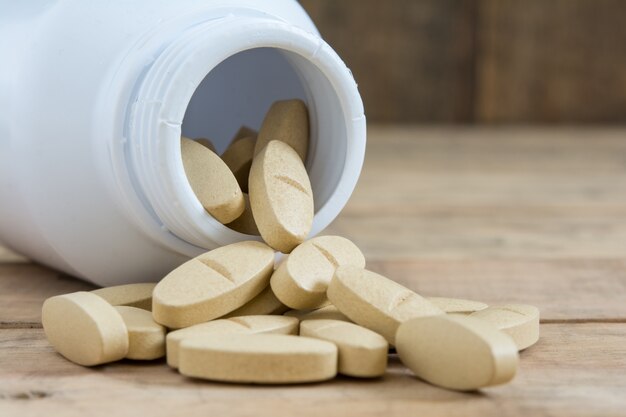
x: 236, y: 315
x: 259, y: 185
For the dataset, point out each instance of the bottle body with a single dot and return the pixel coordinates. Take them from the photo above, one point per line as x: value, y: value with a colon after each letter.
x: 94, y: 102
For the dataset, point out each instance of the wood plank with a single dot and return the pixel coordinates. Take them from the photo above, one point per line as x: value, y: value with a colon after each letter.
x: 574, y: 290
x: 555, y: 61
x: 413, y: 60
x: 476, y: 193
x: 492, y: 167
x: 490, y: 234
x: 23, y: 289
x: 531, y: 61
x: 570, y: 290
x: 575, y: 370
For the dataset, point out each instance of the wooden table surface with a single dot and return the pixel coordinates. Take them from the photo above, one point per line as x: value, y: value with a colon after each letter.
x: 523, y: 215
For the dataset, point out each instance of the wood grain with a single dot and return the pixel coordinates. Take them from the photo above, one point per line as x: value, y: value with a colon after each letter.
x: 575, y: 370
x: 501, y: 215
x: 564, y: 290
x: 413, y: 60
x: 441, y: 193
x: 23, y: 289
x: 484, y: 61
x: 550, y: 61
x: 412, y: 167
x: 552, y: 285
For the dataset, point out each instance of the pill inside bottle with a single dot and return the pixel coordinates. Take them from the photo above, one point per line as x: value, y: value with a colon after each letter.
x: 260, y: 93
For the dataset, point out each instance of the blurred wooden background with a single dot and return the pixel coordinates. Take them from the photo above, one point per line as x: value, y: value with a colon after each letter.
x: 482, y: 61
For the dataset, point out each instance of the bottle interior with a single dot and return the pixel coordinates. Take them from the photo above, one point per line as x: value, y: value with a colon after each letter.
x: 241, y: 89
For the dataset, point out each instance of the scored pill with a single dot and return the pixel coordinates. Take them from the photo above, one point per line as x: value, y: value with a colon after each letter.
x: 244, y: 132
x: 301, y: 281
x: 245, y: 223
x: 329, y: 312
x: 132, y: 295
x: 206, y: 143
x: 288, y: 122
x: 84, y: 328
x: 264, y: 303
x: 457, y: 305
x: 259, y: 359
x: 362, y: 352
x: 281, y: 196
x: 146, y: 338
x: 457, y: 352
x: 376, y: 302
x: 238, y: 157
x: 259, y: 324
x: 212, y: 284
x: 520, y: 321
x: 211, y: 180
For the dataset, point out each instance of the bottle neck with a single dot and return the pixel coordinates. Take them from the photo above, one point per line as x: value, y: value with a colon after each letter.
x: 164, y: 96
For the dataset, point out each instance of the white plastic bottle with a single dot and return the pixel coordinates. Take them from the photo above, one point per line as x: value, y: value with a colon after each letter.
x: 94, y: 96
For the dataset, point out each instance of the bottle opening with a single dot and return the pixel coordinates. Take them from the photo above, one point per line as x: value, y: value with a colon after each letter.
x: 239, y: 92
x: 215, y: 79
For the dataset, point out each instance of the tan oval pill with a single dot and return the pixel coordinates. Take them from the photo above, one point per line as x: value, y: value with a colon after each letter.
x: 238, y: 157
x: 244, y: 132
x: 247, y: 324
x: 245, y: 223
x: 281, y: 197
x: 520, y: 321
x: 207, y: 144
x: 146, y: 338
x: 457, y: 352
x: 264, y: 303
x: 329, y: 312
x: 457, y: 305
x: 84, y: 328
x: 212, y: 284
x: 258, y: 359
x: 301, y: 281
x: 288, y: 122
x: 132, y: 295
x: 376, y: 302
x: 362, y: 352
x: 212, y: 182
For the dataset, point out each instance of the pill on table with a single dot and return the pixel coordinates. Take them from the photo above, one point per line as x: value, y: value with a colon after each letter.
x: 212, y: 181
x: 457, y: 352
x: 264, y: 303
x: 146, y: 338
x: 288, y: 122
x: 520, y: 321
x: 457, y: 305
x: 329, y: 312
x: 244, y: 132
x: 238, y: 157
x: 132, y: 295
x: 212, y: 284
x: 259, y: 359
x: 281, y: 196
x: 301, y: 281
x: 362, y: 352
x: 376, y: 302
x: 245, y: 223
x: 207, y: 144
x: 84, y: 328
x: 216, y: 328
